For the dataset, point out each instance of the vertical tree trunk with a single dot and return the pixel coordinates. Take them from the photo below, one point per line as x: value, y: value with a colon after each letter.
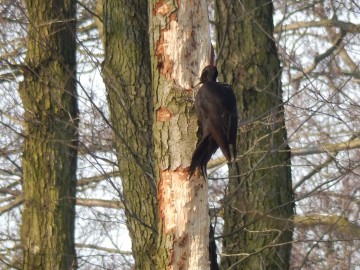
x: 49, y: 96
x: 127, y: 77
x: 180, y: 46
x: 259, y: 200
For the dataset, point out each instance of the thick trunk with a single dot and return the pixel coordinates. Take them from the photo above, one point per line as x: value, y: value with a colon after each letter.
x: 127, y: 77
x: 259, y: 202
x: 49, y: 96
x: 181, y: 48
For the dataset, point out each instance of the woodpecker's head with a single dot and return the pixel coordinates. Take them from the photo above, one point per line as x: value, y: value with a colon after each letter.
x: 209, y: 74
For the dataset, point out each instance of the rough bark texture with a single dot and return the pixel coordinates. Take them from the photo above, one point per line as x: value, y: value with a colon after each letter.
x: 259, y: 202
x: 181, y: 47
x: 49, y: 97
x: 128, y: 82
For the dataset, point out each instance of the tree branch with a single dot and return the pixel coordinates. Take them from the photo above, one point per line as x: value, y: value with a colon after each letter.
x: 99, y: 203
x: 95, y: 179
x: 347, y: 26
x: 317, y: 169
x: 323, y: 148
x: 18, y: 201
x: 340, y: 223
x: 320, y: 57
x: 109, y: 250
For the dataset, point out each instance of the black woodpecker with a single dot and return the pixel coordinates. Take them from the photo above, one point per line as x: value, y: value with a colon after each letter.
x: 215, y: 106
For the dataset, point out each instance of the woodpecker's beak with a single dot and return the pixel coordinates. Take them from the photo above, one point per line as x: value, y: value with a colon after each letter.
x: 196, y: 84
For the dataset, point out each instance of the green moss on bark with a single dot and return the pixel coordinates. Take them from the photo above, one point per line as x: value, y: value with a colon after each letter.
x: 49, y: 96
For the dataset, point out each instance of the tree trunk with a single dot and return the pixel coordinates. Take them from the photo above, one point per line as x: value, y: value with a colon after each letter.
x: 49, y: 97
x: 180, y: 46
x: 259, y: 201
x: 127, y: 77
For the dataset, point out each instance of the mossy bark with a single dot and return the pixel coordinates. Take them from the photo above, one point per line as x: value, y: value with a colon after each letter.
x: 127, y: 77
x: 49, y: 97
x: 259, y: 202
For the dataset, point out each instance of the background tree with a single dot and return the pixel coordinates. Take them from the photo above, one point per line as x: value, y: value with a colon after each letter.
x: 49, y: 97
x: 128, y: 83
x: 258, y: 203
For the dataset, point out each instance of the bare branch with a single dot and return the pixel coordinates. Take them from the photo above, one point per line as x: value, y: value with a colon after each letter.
x: 317, y: 169
x: 110, y: 250
x: 99, y: 203
x: 347, y: 26
x: 18, y: 200
x: 324, y: 148
x: 320, y: 57
x: 340, y: 223
x: 96, y: 179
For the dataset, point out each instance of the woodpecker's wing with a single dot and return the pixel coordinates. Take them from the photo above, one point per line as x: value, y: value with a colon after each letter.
x: 233, y: 118
x: 215, y: 105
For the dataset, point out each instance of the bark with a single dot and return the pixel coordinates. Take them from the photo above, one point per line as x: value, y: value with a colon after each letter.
x: 259, y: 201
x: 127, y: 77
x: 49, y: 97
x: 180, y: 47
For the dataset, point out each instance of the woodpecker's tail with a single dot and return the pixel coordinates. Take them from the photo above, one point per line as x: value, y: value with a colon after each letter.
x: 202, y: 154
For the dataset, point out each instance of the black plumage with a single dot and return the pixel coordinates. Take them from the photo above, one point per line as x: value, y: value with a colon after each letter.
x: 215, y: 106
